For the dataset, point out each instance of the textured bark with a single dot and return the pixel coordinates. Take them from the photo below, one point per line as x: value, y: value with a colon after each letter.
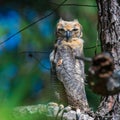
x: 109, y: 31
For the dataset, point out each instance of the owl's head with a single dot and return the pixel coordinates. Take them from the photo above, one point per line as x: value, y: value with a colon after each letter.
x: 68, y: 29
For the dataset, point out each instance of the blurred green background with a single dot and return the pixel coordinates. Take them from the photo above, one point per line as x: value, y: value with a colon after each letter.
x: 24, y: 58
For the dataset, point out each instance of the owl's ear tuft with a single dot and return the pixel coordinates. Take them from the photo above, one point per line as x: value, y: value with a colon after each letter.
x: 60, y: 19
x: 76, y: 20
x: 81, y: 34
x: 81, y: 28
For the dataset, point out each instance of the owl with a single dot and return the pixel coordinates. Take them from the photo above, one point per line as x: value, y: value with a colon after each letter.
x: 67, y: 71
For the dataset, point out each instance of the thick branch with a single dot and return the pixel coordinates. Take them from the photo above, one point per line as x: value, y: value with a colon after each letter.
x: 43, y: 112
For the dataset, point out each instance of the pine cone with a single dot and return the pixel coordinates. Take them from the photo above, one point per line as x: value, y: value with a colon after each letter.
x: 101, y: 78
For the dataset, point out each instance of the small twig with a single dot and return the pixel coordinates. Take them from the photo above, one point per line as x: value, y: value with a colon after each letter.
x: 92, y: 47
x: 73, y: 4
x: 84, y: 58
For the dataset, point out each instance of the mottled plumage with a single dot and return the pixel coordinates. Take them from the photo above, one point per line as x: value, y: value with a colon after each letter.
x: 68, y: 72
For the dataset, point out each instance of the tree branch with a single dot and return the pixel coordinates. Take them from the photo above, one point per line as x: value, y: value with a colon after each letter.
x: 41, y: 111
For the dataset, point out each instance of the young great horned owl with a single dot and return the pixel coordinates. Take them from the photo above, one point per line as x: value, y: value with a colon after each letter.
x: 67, y: 71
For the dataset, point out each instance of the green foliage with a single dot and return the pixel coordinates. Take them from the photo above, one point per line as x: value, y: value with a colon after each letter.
x: 20, y: 87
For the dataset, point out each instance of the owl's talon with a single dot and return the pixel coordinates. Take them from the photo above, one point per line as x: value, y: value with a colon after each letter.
x: 52, y: 108
x: 52, y: 104
x: 66, y: 109
x: 61, y: 107
x: 77, y: 114
x: 61, y: 111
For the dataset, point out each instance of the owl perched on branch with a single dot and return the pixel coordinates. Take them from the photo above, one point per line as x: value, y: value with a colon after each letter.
x: 67, y: 71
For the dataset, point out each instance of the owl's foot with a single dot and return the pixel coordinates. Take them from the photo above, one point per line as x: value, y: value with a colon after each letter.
x: 60, y: 110
x: 55, y: 110
x: 52, y: 108
x: 65, y: 110
x: 59, y: 113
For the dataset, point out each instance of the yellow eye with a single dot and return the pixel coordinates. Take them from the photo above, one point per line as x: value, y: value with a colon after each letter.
x: 75, y: 29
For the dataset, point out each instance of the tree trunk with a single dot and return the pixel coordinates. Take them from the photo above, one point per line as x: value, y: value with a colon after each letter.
x: 109, y: 32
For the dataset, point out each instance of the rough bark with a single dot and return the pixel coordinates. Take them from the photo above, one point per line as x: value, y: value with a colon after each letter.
x: 109, y: 31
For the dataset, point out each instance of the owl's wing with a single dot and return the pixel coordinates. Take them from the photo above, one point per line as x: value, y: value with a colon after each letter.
x: 69, y: 73
x: 57, y: 87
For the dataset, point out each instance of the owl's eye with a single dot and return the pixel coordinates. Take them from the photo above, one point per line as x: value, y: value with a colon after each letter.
x: 61, y: 29
x: 75, y: 29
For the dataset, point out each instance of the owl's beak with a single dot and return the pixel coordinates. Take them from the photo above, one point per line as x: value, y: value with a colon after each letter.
x: 68, y: 34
